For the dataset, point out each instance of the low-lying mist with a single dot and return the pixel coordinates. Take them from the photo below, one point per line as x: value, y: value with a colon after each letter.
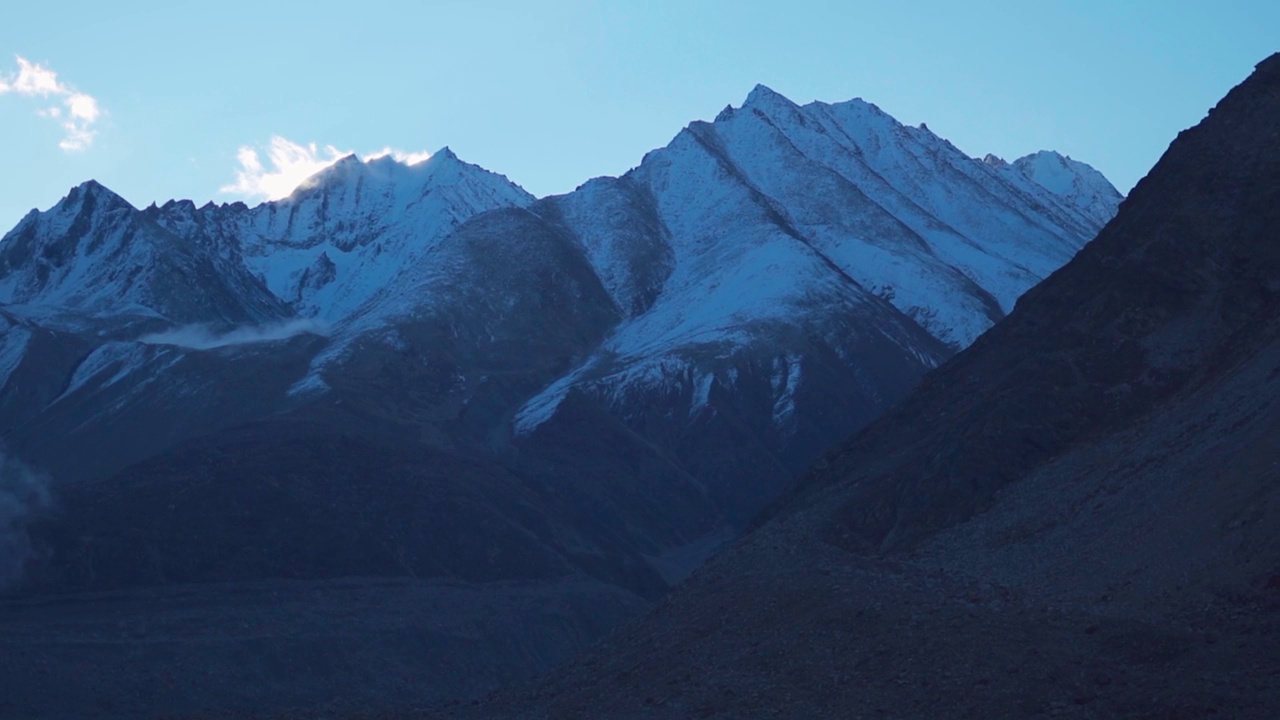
x: 204, y: 337
x: 24, y: 494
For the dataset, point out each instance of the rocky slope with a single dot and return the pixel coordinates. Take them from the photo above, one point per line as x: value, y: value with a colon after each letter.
x: 1076, y: 516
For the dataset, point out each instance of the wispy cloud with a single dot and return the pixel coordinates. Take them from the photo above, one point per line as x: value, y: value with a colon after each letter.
x: 24, y: 494
x: 202, y: 337
x: 288, y: 164
x: 412, y: 158
x: 78, y: 111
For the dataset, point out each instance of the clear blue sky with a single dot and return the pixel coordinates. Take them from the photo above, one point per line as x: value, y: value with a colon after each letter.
x: 553, y: 93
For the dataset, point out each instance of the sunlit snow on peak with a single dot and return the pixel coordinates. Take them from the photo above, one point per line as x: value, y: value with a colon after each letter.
x: 289, y: 165
x: 408, y: 158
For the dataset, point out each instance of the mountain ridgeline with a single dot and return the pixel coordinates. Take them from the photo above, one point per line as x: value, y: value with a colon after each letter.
x: 423, y: 372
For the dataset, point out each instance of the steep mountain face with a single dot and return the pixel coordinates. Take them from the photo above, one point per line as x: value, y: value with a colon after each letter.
x: 421, y: 371
x: 779, y: 265
x: 95, y: 254
x: 343, y: 235
x: 1079, y: 515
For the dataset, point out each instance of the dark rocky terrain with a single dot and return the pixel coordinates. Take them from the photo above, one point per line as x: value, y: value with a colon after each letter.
x: 314, y: 647
x: 1078, y: 516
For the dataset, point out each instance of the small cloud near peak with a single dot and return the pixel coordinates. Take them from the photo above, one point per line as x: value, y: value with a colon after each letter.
x: 289, y: 164
x: 399, y: 156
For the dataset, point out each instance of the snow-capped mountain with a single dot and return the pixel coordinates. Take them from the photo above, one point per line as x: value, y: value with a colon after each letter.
x: 423, y: 371
x: 94, y: 253
x: 831, y: 223
x: 1082, y: 187
x: 1078, y: 516
x: 658, y: 352
x: 344, y: 234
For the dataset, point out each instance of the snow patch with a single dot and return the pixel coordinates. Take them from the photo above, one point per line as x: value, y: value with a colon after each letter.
x: 310, y: 385
x: 784, y: 382
x: 120, y: 360
x: 541, y: 407
x: 122, y: 357
x: 701, y: 392
x: 13, y: 346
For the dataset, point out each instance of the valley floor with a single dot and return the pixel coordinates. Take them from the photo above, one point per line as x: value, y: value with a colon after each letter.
x: 822, y: 634
x: 272, y: 647
x: 894, y: 640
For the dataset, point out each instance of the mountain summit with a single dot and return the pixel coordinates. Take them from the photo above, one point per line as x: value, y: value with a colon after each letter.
x: 94, y: 253
x: 344, y: 233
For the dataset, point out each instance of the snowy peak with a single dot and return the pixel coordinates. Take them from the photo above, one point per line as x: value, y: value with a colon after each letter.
x: 834, y: 218
x: 858, y: 183
x: 1077, y: 183
x: 765, y: 98
x: 89, y: 191
x: 94, y: 253
x: 346, y: 232
x: 50, y: 253
x: 352, y: 179
x: 344, y: 170
x: 351, y: 171
x: 890, y: 148
x: 1056, y: 172
x: 87, y: 202
x: 994, y: 161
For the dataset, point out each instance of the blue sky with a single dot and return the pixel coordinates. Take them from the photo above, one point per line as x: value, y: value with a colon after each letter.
x: 160, y: 100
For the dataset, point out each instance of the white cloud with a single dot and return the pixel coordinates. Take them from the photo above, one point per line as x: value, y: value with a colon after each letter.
x: 400, y: 156
x: 34, y: 79
x: 78, y: 137
x: 290, y: 164
x: 202, y: 337
x: 82, y: 110
x: 83, y: 107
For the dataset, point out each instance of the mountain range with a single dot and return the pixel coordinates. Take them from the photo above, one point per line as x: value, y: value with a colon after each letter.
x: 1076, y: 516
x: 421, y: 375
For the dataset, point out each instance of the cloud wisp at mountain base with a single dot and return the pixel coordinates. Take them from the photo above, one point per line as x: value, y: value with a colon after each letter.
x: 204, y: 337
